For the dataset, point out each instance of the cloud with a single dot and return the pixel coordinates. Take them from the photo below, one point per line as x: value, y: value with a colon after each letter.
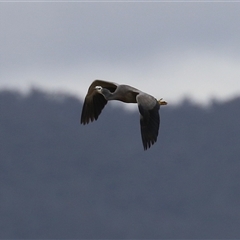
x: 186, y: 48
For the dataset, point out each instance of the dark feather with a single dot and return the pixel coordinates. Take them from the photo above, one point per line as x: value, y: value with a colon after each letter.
x: 92, y: 108
x: 149, y: 122
x: 95, y: 102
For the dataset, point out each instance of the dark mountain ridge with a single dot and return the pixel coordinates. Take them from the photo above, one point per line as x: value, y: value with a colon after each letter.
x: 60, y: 179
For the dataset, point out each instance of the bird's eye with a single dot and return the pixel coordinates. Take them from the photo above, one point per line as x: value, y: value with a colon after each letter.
x: 98, y: 88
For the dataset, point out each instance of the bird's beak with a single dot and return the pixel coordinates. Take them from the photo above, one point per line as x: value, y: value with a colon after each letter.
x: 161, y: 102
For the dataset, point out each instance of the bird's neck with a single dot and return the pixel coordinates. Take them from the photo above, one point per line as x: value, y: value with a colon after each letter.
x: 107, y: 94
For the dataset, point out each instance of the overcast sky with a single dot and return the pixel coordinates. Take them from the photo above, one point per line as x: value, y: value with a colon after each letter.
x: 169, y: 50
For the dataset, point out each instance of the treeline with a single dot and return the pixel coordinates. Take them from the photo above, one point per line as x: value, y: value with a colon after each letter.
x: 60, y: 179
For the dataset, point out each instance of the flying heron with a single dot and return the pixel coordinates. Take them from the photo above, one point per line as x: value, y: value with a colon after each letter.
x: 100, y: 92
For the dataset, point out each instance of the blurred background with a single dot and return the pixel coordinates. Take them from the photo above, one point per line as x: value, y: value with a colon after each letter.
x: 60, y: 179
x: 167, y: 49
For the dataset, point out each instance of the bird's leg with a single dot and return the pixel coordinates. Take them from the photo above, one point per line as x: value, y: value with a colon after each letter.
x: 161, y: 102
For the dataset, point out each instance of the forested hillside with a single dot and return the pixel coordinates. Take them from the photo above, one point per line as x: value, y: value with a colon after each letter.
x: 60, y: 179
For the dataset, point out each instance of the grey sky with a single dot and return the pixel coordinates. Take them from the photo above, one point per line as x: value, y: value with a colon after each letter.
x: 167, y: 49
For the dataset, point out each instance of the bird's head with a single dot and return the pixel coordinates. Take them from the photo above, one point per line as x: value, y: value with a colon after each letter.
x: 98, y: 89
x: 104, y: 91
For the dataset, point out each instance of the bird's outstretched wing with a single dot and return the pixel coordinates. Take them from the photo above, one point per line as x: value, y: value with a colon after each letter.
x: 149, y: 119
x: 94, y: 101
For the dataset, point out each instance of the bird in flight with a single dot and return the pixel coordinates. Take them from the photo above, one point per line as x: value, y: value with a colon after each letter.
x: 100, y: 92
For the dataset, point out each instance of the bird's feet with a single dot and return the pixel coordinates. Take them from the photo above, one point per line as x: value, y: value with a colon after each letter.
x: 161, y: 102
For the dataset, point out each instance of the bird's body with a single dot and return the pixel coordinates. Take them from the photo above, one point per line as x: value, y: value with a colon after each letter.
x: 124, y: 93
x: 100, y: 92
